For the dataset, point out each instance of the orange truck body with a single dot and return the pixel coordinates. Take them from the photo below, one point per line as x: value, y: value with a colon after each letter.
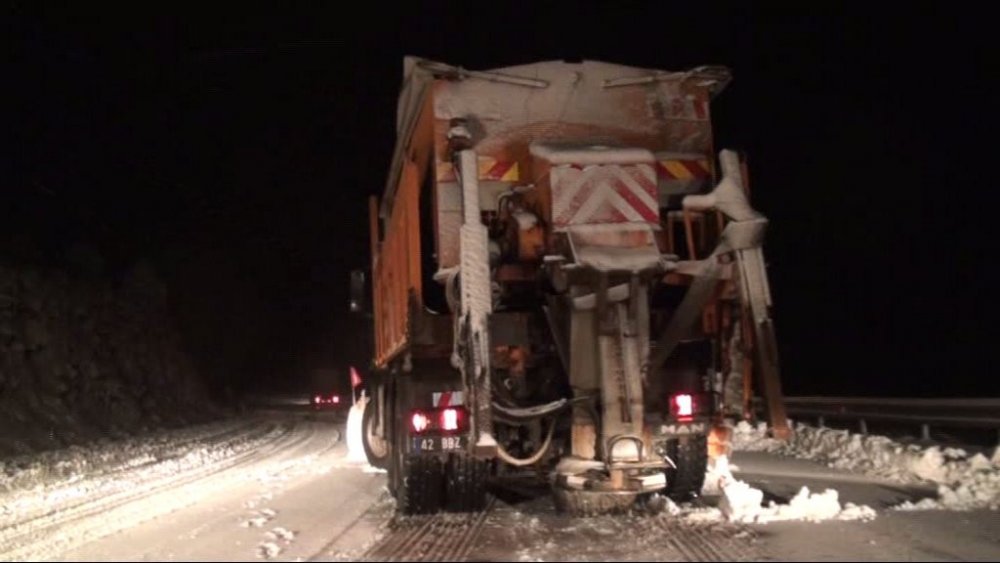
x: 667, y: 114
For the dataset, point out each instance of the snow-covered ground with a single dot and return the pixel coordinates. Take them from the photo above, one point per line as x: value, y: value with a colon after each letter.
x: 964, y: 481
x: 281, y: 486
x: 53, y: 503
x: 741, y: 502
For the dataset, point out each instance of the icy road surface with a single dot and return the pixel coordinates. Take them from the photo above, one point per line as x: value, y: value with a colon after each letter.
x: 279, y: 487
x: 268, y: 486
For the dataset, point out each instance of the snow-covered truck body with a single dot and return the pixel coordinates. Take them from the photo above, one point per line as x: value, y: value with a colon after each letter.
x: 564, y: 276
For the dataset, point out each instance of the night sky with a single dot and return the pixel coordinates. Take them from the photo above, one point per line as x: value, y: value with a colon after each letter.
x: 239, y: 160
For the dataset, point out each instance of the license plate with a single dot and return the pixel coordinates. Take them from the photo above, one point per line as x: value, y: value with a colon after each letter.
x: 439, y: 444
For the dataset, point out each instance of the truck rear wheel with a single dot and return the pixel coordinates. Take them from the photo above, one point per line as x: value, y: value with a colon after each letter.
x: 466, y: 483
x: 420, y: 484
x: 690, y: 455
x: 376, y: 448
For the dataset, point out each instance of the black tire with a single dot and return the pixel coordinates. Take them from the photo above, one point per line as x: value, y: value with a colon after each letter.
x: 420, y: 487
x: 466, y: 483
x: 690, y: 454
x: 378, y: 454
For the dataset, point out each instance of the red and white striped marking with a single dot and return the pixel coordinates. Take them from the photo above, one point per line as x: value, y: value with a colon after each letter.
x: 608, y: 193
x: 684, y: 169
x: 489, y: 169
x: 448, y: 399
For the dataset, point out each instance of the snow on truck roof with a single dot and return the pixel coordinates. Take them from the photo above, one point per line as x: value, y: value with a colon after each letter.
x: 613, y: 75
x: 419, y: 74
x: 586, y: 153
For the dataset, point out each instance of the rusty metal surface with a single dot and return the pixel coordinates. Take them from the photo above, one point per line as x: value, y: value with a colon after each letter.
x: 397, y: 271
x: 668, y: 117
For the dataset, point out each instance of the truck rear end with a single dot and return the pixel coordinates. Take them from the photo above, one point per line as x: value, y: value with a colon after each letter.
x: 565, y: 278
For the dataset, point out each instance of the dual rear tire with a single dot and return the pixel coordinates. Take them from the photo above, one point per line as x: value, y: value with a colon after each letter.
x: 427, y: 484
x: 423, y: 484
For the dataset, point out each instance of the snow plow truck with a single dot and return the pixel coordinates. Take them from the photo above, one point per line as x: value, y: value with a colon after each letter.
x: 566, y: 283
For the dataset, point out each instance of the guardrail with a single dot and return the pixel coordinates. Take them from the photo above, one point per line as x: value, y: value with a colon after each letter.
x: 982, y: 414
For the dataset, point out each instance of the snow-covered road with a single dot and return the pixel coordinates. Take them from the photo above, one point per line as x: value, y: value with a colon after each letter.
x: 279, y: 486
x: 271, y: 485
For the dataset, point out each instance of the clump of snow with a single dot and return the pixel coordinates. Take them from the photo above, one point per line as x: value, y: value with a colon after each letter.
x: 740, y: 499
x: 664, y: 504
x: 718, y: 470
x: 743, y: 503
x: 281, y: 533
x: 261, y: 517
x: 964, y: 482
x: 925, y: 504
x: 853, y: 511
x: 268, y: 550
x: 979, y: 462
x: 812, y: 507
x: 930, y: 466
x: 955, y: 453
x: 704, y: 514
x: 750, y: 438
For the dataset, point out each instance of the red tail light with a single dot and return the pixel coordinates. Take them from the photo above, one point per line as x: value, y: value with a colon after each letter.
x: 317, y: 399
x: 450, y: 419
x: 682, y: 406
x: 419, y: 422
x: 336, y: 399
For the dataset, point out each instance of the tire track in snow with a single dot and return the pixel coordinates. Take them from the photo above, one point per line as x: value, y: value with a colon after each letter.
x: 278, y: 539
x: 47, y: 535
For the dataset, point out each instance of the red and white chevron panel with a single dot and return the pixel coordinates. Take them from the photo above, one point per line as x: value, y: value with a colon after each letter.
x: 604, y: 194
x: 448, y: 399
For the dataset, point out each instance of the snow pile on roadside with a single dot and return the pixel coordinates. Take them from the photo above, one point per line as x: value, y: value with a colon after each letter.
x: 749, y: 438
x: 964, y: 482
x: 31, y: 486
x: 72, y: 464
x: 967, y: 485
x: 717, y: 472
x: 353, y: 432
x: 742, y: 503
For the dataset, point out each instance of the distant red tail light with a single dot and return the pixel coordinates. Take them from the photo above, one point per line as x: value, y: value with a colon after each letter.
x: 682, y: 406
x: 336, y: 399
x: 419, y: 422
x: 317, y: 399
